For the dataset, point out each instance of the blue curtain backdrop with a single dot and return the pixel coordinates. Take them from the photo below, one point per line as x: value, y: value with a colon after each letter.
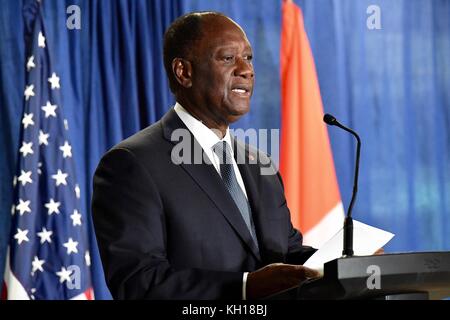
x: 391, y: 85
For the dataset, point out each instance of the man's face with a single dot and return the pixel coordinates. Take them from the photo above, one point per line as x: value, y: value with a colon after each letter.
x: 222, y: 72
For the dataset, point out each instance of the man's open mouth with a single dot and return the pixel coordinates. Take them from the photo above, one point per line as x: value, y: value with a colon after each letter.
x: 241, y: 89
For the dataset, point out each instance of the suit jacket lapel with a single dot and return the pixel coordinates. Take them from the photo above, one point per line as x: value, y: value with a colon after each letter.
x: 250, y: 172
x: 206, y: 176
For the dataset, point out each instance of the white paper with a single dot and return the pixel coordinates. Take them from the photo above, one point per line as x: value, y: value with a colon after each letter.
x: 366, y: 241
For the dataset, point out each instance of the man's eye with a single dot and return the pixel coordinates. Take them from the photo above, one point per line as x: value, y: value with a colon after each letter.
x: 249, y: 57
x: 228, y: 58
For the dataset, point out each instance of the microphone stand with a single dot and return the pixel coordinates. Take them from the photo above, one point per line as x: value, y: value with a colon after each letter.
x: 348, y: 222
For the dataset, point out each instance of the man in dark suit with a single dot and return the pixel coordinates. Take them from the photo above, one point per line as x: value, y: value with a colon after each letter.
x: 171, y: 227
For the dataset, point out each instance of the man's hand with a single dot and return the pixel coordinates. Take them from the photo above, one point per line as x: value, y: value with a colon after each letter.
x: 276, y: 277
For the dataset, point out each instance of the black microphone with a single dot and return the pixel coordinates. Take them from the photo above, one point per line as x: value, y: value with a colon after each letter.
x: 348, y: 223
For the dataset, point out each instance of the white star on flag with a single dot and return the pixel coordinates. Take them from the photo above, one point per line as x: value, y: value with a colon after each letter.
x: 66, y: 149
x: 23, y: 206
x: 33, y: 290
x: 14, y: 181
x: 64, y: 275
x: 76, y: 218
x: 13, y: 209
x: 60, y: 178
x: 27, y: 120
x: 54, y: 81
x: 45, y: 235
x: 21, y: 236
x: 43, y: 138
x: 26, y: 148
x: 41, y: 40
x: 29, y: 92
x: 25, y: 177
x: 30, y: 63
x: 52, y: 206
x: 71, y: 246
x: 37, y: 265
x: 49, y: 109
x: 77, y: 191
x: 87, y: 258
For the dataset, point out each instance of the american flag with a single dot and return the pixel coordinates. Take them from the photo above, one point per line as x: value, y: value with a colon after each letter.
x: 48, y: 255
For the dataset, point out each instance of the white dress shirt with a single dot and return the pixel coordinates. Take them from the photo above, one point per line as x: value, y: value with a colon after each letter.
x: 207, y: 139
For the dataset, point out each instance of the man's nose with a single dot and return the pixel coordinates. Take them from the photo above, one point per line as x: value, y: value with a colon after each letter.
x: 244, y: 68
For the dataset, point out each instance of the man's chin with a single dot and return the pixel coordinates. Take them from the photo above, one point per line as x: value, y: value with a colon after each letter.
x: 237, y: 113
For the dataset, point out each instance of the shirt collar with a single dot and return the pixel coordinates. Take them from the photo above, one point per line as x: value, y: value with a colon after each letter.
x: 205, y: 136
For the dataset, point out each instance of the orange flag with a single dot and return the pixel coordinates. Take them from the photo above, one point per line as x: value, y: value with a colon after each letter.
x: 306, y: 162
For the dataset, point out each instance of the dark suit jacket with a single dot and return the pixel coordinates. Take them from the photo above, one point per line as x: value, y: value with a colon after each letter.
x: 168, y: 231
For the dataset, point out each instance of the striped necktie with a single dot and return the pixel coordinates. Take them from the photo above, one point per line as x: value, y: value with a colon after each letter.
x: 223, y: 151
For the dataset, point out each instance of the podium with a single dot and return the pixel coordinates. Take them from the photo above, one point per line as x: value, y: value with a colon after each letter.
x: 401, y: 276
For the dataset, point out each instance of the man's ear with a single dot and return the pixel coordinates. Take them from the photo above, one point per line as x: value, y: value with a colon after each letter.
x: 182, y: 70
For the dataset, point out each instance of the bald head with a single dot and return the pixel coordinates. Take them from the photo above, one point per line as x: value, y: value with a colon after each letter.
x: 182, y: 35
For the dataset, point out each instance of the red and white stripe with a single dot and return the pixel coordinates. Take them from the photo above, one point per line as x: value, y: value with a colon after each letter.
x: 13, y: 289
x: 306, y: 161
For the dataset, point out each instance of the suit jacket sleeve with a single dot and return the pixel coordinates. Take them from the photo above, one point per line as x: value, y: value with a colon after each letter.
x: 297, y: 252
x: 130, y: 226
